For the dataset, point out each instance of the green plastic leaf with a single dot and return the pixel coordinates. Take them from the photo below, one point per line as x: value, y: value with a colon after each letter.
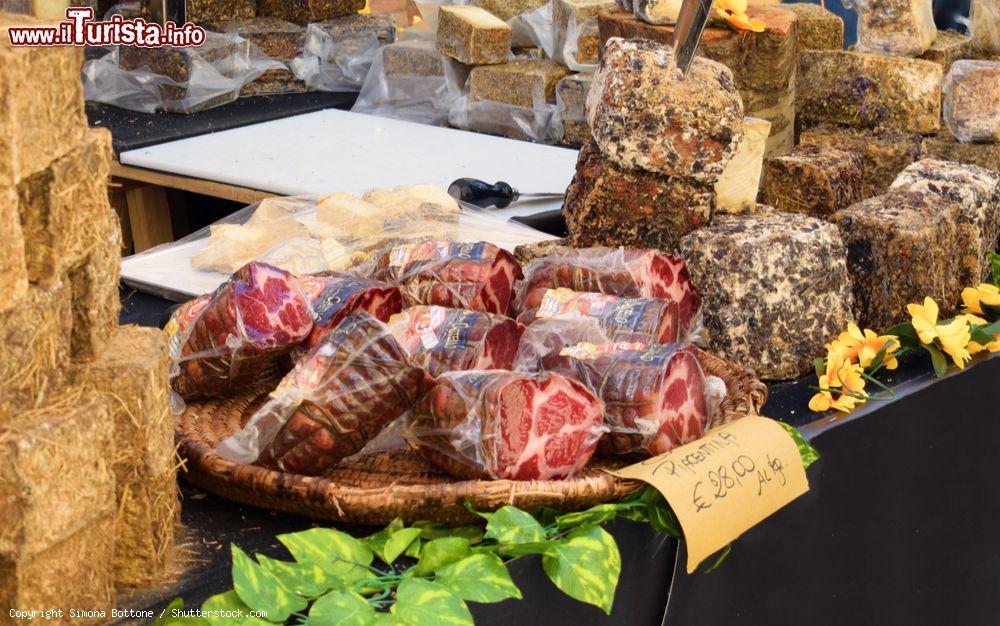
x: 424, y: 603
x: 433, y: 530
x: 337, y: 553
x: 341, y: 608
x: 995, y: 266
x: 594, y: 515
x: 521, y: 549
x: 223, y: 609
x: 478, y: 578
x: 414, y: 549
x: 386, y: 619
x: 908, y: 337
x: 510, y: 524
x: 398, y: 543
x: 719, y: 560
x: 585, y: 566
x: 806, y: 451
x: 169, y: 616
x: 440, y: 552
x: 306, y: 579
x: 262, y: 591
x: 938, y: 360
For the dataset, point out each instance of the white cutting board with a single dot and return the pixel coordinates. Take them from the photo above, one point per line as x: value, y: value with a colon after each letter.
x: 331, y: 150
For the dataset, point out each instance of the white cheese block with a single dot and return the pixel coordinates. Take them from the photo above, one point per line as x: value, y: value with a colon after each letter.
x: 736, y: 190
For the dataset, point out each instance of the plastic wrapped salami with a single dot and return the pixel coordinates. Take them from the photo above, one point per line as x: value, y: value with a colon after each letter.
x: 478, y: 276
x: 334, y: 296
x: 499, y: 424
x: 649, y: 320
x: 337, y: 399
x: 239, y: 333
x: 442, y: 340
x: 614, y: 271
x: 654, y: 396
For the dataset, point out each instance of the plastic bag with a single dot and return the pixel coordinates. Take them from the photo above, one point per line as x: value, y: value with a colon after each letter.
x: 894, y: 27
x: 440, y: 339
x: 338, y: 397
x: 498, y: 424
x: 238, y: 334
x: 615, y: 271
x: 478, y: 276
x: 984, y: 25
x: 411, y: 80
x: 569, y: 120
x: 507, y: 120
x: 334, y: 296
x: 970, y: 108
x: 543, y: 341
x: 179, y: 80
x: 654, y: 396
x: 339, y: 53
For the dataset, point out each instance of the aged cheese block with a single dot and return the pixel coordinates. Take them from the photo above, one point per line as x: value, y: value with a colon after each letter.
x: 657, y: 11
x: 41, y: 103
x: 885, y: 154
x: 950, y: 46
x: 813, y: 180
x: 519, y: 83
x: 972, y: 101
x: 778, y: 108
x: 507, y: 9
x: 736, y: 190
x: 307, y: 11
x: 210, y: 11
x: 897, y: 27
x: 276, y: 38
x: 608, y: 205
x: 985, y: 25
x: 819, y: 29
x: 472, y: 35
x: 413, y: 57
x: 977, y: 189
x: 571, y: 102
x: 869, y: 90
x: 645, y: 114
x: 13, y: 271
x: 774, y: 289
x: 273, y: 82
x: 575, y: 26
x: 529, y: 251
x: 946, y: 148
x: 902, y: 246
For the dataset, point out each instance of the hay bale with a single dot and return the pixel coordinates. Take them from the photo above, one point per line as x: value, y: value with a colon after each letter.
x: 96, y: 305
x: 35, y: 339
x: 61, y: 207
x: 55, y: 477
x: 41, y: 103
x: 148, y: 514
x: 75, y: 572
x: 13, y: 272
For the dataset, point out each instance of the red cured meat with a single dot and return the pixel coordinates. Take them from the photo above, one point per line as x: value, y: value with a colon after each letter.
x: 508, y: 425
x: 333, y: 296
x: 614, y: 271
x: 477, y: 276
x: 251, y: 320
x: 443, y: 340
x: 654, y: 397
x: 544, y: 339
x: 338, y: 397
x: 649, y: 320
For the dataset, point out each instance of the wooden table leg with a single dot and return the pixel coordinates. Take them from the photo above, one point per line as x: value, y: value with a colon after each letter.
x: 149, y: 214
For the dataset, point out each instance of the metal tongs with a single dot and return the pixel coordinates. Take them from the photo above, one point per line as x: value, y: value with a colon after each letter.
x: 691, y: 23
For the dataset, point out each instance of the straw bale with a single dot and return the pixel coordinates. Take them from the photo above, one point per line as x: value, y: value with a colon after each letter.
x: 54, y: 474
x: 41, y: 103
x: 61, y: 206
x: 148, y: 514
x: 75, y: 573
x: 34, y: 346
x: 13, y: 272
x: 96, y: 305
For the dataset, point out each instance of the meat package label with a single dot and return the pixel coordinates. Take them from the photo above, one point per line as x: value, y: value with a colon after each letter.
x: 328, y: 296
x: 441, y: 328
x: 725, y: 483
x: 623, y: 313
x: 436, y: 251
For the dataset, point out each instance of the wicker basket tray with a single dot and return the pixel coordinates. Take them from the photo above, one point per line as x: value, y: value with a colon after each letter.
x: 376, y: 488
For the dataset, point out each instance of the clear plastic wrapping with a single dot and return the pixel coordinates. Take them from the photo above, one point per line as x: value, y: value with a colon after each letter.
x: 440, y: 339
x: 478, y: 275
x: 506, y: 120
x: 179, y: 80
x: 339, y: 53
x: 339, y: 396
x: 984, y: 25
x: 543, y: 341
x: 223, y: 343
x: 334, y: 296
x: 569, y: 121
x: 507, y: 425
x: 894, y: 27
x: 970, y: 109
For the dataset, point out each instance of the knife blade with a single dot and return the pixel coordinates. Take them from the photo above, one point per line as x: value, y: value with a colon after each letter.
x: 691, y: 23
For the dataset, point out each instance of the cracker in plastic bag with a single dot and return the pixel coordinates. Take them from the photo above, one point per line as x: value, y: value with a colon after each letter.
x: 339, y: 396
x: 440, y: 339
x: 970, y: 104
x: 507, y: 425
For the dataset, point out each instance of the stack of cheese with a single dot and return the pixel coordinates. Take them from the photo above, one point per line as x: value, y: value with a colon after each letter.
x: 68, y: 451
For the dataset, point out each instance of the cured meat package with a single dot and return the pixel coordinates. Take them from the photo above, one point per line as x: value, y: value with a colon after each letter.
x: 334, y: 296
x: 442, y: 340
x: 338, y: 397
x: 223, y: 342
x: 478, y: 276
x: 655, y: 397
x: 510, y: 425
x: 615, y: 271
x: 543, y: 341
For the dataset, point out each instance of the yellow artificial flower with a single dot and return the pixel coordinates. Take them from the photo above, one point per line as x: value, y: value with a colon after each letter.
x: 824, y: 400
x: 864, y: 346
x: 954, y: 337
x: 976, y: 297
x: 842, y: 378
x: 924, y: 319
x: 974, y: 346
x: 735, y: 12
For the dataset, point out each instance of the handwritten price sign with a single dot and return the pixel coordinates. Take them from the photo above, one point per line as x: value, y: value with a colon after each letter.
x: 726, y: 482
